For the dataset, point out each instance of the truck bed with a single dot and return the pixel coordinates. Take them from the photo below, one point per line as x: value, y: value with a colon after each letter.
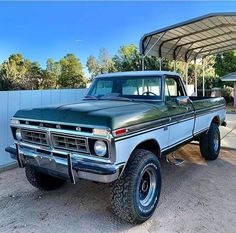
x: 207, y: 102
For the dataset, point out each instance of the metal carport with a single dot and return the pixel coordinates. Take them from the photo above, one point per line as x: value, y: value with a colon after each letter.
x: 192, y: 39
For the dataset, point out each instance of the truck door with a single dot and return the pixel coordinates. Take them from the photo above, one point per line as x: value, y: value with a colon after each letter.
x: 181, y: 116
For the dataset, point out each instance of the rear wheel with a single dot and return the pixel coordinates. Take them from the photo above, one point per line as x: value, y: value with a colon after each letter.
x: 135, y: 194
x: 210, y: 143
x: 42, y: 181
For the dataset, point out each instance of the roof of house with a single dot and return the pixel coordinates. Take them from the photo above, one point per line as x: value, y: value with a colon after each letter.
x: 229, y: 77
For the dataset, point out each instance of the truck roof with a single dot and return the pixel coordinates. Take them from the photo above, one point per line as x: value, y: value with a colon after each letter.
x: 137, y: 73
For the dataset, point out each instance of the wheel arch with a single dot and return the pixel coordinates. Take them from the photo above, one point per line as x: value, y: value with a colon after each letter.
x: 151, y: 145
x: 148, y: 144
x: 216, y: 120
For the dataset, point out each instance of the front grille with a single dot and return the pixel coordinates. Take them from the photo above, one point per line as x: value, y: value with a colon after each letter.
x: 69, y: 143
x: 34, y: 137
x: 57, y: 126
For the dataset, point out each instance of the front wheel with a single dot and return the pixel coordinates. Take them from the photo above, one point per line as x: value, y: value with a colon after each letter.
x: 210, y: 143
x: 135, y: 194
x: 42, y: 181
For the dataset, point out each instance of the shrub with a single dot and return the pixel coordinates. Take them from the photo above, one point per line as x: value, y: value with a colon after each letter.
x: 227, y: 93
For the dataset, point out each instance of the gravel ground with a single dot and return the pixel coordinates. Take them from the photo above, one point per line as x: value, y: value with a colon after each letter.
x: 197, y: 196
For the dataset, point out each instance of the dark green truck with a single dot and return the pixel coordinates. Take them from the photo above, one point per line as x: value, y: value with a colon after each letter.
x: 116, y: 135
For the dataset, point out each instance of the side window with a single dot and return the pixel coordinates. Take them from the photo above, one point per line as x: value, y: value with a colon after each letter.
x: 173, y: 88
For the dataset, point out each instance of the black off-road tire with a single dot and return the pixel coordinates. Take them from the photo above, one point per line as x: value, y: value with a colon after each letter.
x: 42, y: 181
x: 210, y: 143
x: 126, y: 193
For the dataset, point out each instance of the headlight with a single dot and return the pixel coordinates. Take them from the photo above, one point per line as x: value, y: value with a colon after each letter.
x: 18, y: 135
x: 100, y: 148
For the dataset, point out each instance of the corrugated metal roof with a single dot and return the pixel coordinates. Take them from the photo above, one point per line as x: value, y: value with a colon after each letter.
x: 199, y: 37
x: 229, y: 77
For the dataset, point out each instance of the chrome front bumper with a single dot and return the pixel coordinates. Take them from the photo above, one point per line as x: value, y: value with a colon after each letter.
x: 67, y: 167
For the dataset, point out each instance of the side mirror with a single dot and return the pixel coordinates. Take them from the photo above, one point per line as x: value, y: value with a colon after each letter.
x: 182, y: 100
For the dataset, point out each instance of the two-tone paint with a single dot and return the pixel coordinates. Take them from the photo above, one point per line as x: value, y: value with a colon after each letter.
x: 163, y: 122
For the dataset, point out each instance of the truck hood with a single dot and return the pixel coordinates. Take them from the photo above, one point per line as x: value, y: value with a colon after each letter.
x: 105, y: 113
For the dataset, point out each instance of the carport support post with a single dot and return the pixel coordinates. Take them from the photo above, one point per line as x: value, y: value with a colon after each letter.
x: 195, y: 75
x: 144, y: 54
x: 186, y: 76
x: 142, y: 61
x: 203, y: 77
x: 174, y: 65
x: 160, y: 63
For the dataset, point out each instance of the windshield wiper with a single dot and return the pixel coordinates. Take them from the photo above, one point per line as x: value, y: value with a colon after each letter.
x: 115, y: 98
x: 106, y: 97
x: 90, y: 97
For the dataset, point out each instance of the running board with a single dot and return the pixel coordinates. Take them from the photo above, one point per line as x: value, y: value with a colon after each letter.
x: 171, y: 159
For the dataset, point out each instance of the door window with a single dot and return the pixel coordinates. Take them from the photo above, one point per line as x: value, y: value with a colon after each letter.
x: 173, y: 88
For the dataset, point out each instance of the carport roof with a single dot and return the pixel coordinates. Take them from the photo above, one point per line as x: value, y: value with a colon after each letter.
x: 229, y: 77
x: 199, y: 37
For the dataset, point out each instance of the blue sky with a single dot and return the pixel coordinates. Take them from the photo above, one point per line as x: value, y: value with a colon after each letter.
x: 40, y: 30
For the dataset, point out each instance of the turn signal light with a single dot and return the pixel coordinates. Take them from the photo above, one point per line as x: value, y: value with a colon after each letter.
x: 100, y: 132
x: 15, y: 121
x: 119, y: 132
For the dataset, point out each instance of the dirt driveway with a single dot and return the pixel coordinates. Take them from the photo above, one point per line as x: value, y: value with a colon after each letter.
x: 196, y: 197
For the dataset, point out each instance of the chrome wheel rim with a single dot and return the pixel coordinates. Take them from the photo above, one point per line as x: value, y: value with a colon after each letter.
x: 147, y: 186
x: 216, y: 142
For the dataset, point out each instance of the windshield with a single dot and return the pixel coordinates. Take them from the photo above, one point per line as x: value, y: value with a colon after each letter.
x: 126, y: 88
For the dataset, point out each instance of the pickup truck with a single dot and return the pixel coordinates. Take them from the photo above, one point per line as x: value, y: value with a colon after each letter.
x: 117, y: 134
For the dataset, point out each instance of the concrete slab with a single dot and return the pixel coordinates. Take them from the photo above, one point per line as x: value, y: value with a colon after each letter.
x: 228, y: 133
x: 224, y: 131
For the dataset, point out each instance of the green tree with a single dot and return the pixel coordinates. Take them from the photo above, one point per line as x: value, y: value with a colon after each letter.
x: 20, y: 73
x: 127, y: 59
x: 105, y: 61
x: 13, y: 72
x: 51, y: 74
x: 71, y: 72
x: 34, y: 77
x: 5, y: 83
x: 103, y: 64
x: 93, y: 66
x: 224, y: 64
x: 210, y: 77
